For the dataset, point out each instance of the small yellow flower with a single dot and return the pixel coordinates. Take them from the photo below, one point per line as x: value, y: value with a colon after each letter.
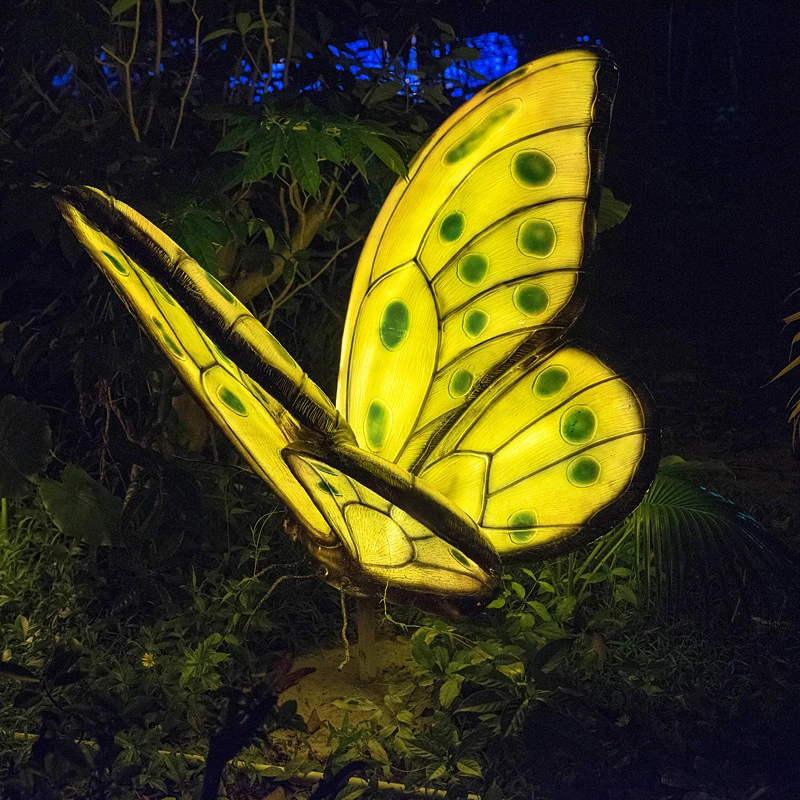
x: 148, y: 660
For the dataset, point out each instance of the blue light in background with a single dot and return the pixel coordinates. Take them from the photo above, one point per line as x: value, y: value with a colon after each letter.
x: 63, y: 79
x: 498, y: 56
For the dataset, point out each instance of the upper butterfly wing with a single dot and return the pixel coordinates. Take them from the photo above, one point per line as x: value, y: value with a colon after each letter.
x: 160, y: 283
x: 475, y: 259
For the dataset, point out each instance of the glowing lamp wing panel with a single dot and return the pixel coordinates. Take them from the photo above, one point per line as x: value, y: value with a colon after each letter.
x: 495, y: 222
x: 557, y: 448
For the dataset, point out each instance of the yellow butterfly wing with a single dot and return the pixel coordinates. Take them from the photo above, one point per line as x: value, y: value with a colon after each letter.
x: 553, y: 454
x: 468, y: 278
x: 113, y: 232
x: 346, y: 504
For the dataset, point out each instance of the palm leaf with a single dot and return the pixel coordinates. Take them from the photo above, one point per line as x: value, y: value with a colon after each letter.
x: 690, y: 545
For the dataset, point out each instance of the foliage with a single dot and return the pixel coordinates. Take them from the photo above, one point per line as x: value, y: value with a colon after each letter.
x: 112, y: 647
x: 794, y: 401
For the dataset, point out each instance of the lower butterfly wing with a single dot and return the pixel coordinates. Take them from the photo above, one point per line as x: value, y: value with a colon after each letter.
x: 551, y: 455
x: 387, y: 552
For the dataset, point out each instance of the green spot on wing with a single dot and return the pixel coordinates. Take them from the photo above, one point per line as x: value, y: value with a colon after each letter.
x: 173, y: 346
x: 123, y: 270
x: 530, y: 299
x: 475, y: 321
x: 327, y: 488
x: 377, y: 424
x: 232, y: 401
x: 522, y: 524
x: 481, y: 132
x: 583, y: 471
x: 452, y: 227
x: 533, y: 168
x: 536, y: 237
x: 472, y: 268
x: 395, y: 324
x: 550, y: 381
x: 460, y: 383
x: 169, y: 342
x: 220, y: 288
x: 164, y: 293
x: 460, y: 557
x: 578, y: 425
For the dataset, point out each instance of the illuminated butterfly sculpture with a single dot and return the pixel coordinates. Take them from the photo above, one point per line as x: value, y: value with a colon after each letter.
x: 465, y: 429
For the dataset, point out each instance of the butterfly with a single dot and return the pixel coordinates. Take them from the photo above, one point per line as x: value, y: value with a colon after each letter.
x: 465, y: 429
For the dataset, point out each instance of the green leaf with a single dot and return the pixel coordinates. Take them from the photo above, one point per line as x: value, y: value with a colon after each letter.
x: 465, y: 53
x: 611, y: 211
x: 121, y: 6
x: 377, y: 751
x: 622, y: 572
x: 217, y: 34
x: 627, y: 594
x: 383, y: 92
x: 265, y: 155
x: 448, y: 34
x: 518, y: 590
x: 540, y: 610
x: 81, y: 508
x: 243, y: 20
x: 451, y: 689
x: 24, y: 444
x: 469, y: 767
x: 201, y: 234
x: 351, y: 143
x: 385, y: 152
x: 328, y: 148
x: 565, y: 608
x: 498, y: 602
x: 302, y: 161
x: 483, y: 702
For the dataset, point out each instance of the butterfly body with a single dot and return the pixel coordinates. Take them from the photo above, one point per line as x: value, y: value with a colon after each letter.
x: 464, y: 427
